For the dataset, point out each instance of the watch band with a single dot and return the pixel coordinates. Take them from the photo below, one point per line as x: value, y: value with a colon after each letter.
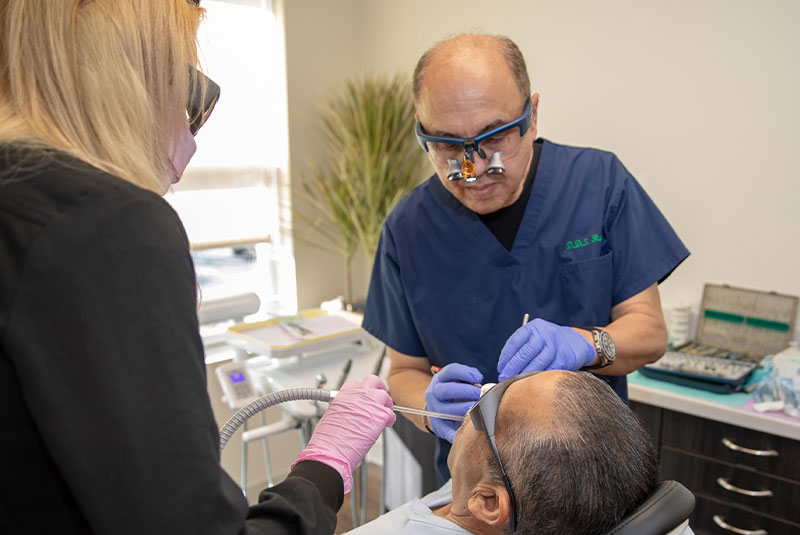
x: 604, y: 359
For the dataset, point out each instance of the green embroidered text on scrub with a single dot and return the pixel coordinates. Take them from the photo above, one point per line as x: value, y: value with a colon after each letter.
x: 577, y: 244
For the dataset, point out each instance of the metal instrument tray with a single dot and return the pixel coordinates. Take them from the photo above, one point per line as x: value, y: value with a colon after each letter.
x: 737, y: 327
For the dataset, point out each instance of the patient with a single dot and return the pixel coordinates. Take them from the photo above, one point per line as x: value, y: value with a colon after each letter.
x: 577, y: 459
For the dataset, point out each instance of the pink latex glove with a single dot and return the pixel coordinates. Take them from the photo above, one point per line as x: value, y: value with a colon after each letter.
x: 351, y: 425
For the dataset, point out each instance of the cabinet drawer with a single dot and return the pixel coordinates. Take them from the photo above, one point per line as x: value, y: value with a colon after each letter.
x: 651, y: 419
x: 709, y: 438
x: 702, y: 476
x: 702, y: 520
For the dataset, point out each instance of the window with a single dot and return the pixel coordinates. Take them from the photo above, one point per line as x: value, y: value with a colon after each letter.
x: 233, y: 198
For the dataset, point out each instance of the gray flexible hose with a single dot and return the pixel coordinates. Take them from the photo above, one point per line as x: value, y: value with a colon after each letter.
x: 264, y: 402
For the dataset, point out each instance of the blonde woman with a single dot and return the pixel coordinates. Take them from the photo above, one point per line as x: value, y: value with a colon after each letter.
x: 107, y: 425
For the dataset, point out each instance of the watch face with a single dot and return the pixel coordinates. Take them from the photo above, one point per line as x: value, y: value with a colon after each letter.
x: 607, y: 345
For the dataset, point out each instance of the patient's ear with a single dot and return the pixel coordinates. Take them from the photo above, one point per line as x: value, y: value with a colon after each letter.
x: 490, y: 504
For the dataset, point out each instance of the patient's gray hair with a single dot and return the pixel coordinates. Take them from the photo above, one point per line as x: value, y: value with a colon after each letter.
x: 584, y: 473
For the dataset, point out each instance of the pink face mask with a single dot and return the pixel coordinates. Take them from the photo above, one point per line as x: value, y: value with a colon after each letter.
x: 184, y: 151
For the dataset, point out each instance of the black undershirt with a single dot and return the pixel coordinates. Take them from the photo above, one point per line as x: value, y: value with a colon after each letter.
x: 505, y: 222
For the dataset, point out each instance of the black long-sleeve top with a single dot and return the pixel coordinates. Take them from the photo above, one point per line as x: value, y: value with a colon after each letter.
x: 106, y: 421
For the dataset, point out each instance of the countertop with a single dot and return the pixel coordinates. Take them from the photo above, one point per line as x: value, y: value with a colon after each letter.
x: 734, y: 409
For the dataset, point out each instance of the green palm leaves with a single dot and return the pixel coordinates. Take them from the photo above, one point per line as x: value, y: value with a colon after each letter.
x: 373, y: 161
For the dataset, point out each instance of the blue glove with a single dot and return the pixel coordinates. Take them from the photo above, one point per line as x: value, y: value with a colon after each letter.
x: 541, y: 345
x: 450, y: 392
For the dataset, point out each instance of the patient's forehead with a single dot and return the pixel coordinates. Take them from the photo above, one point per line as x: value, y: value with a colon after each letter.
x: 531, y: 397
x: 526, y: 401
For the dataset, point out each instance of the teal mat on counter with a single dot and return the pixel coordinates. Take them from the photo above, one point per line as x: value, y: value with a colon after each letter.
x: 736, y: 399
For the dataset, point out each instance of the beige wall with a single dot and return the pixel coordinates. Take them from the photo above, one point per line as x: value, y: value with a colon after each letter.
x: 323, y: 48
x: 698, y: 98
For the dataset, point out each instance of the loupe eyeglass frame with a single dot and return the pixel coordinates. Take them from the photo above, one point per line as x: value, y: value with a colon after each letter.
x: 473, y: 144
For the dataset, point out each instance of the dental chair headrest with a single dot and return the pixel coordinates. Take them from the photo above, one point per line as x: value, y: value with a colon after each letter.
x: 666, y: 509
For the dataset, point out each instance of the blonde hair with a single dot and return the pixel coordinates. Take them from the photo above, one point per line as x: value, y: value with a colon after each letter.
x: 105, y: 81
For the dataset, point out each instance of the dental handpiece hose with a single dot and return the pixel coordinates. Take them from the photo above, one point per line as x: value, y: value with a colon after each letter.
x: 344, y: 434
x: 297, y: 394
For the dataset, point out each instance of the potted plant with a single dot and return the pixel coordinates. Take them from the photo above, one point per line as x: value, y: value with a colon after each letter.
x: 373, y: 161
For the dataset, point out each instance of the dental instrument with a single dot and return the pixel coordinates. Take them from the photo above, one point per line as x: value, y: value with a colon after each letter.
x: 437, y: 369
x: 488, y: 386
x: 429, y: 414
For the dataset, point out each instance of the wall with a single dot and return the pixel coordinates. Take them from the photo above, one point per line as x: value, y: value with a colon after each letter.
x: 698, y: 98
x: 323, y: 48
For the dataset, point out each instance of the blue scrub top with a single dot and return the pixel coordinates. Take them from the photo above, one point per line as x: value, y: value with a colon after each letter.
x: 444, y: 287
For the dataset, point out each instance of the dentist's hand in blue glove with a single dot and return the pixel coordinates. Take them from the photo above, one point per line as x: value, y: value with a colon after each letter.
x: 451, y: 393
x: 541, y: 345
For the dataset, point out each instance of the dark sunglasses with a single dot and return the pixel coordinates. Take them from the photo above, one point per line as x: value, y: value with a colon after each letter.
x: 201, y: 99
x: 483, y: 415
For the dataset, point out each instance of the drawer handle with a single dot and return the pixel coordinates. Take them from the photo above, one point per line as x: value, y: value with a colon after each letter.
x: 718, y: 520
x: 760, y: 453
x: 722, y: 482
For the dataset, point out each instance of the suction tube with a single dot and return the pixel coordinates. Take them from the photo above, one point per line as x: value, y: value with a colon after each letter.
x: 264, y: 402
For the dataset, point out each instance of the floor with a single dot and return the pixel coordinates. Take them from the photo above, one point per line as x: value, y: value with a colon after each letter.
x: 345, y: 516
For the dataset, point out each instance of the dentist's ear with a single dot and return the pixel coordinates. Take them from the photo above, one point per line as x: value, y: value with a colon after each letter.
x: 534, y: 113
x: 490, y: 504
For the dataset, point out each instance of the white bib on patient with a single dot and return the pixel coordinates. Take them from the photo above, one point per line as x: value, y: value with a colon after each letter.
x: 415, y: 518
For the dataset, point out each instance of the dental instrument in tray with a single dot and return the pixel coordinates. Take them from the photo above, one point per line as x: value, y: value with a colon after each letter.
x: 289, y: 336
x: 294, y: 328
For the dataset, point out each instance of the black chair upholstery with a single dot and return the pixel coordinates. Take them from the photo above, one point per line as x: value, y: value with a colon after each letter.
x: 670, y: 504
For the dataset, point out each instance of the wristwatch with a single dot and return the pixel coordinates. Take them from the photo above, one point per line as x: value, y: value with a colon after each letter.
x: 604, y: 346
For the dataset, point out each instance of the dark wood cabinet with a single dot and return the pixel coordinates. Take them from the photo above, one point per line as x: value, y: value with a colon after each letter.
x: 719, y: 517
x: 768, y: 453
x: 743, y: 479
